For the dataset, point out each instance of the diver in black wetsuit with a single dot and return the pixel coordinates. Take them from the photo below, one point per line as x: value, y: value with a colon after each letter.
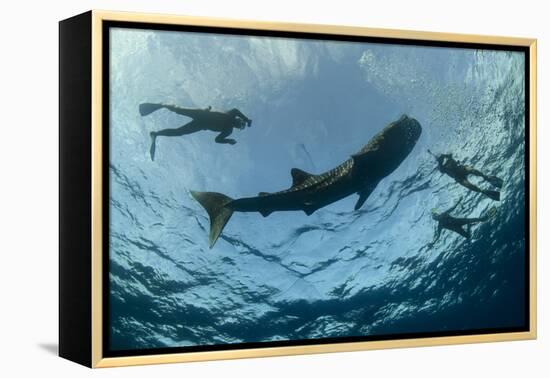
x: 446, y: 221
x: 203, y: 119
x: 460, y: 172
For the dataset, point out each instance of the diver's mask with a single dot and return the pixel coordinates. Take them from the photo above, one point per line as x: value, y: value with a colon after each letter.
x: 240, y: 123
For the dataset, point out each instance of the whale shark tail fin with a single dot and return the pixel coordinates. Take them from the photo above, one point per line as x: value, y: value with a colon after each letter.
x: 219, y: 213
x: 148, y: 108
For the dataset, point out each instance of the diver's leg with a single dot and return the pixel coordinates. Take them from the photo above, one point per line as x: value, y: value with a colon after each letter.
x: 459, y: 230
x: 475, y: 172
x: 148, y: 108
x: 188, y: 128
x: 464, y: 221
x: 221, y: 138
x: 493, y: 180
x: 464, y: 182
x: 492, y: 194
x: 188, y: 112
x: 488, y: 215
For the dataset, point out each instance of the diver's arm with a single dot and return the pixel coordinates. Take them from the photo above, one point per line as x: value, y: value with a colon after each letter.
x: 436, y: 157
x: 239, y: 114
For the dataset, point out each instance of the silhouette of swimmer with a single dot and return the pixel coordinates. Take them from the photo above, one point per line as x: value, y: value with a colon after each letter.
x: 448, y: 222
x: 203, y: 119
x: 460, y: 172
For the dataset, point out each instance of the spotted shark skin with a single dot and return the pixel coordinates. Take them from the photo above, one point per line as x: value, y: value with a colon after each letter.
x: 309, y: 192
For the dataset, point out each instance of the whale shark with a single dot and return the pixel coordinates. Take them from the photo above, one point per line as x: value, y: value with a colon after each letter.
x: 360, y: 174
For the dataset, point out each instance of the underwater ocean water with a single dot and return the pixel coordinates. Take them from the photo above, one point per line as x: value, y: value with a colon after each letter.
x: 338, y: 272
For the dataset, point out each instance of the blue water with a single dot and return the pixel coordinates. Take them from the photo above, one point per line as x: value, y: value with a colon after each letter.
x: 338, y: 272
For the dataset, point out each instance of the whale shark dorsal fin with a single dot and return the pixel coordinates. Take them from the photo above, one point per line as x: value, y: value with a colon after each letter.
x: 299, y: 176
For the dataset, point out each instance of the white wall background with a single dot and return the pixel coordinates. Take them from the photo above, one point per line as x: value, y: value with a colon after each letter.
x: 29, y: 174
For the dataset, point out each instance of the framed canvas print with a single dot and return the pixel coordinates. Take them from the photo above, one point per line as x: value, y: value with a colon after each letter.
x: 236, y: 189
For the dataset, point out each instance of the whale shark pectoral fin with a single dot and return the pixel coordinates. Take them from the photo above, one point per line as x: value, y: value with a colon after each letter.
x: 309, y: 208
x: 363, y: 195
x: 265, y: 213
x: 360, y: 158
x: 357, y: 159
x: 299, y: 176
x: 362, y: 198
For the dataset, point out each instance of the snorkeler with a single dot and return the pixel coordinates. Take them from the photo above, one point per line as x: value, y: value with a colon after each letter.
x: 446, y: 221
x: 460, y: 172
x: 203, y: 119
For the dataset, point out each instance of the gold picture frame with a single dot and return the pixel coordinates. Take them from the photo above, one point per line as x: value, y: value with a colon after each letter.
x: 88, y: 329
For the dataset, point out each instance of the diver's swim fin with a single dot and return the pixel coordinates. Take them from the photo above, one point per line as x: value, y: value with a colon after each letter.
x: 153, y: 146
x: 495, y: 181
x: 148, y: 108
x: 492, y: 194
x: 218, y: 212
